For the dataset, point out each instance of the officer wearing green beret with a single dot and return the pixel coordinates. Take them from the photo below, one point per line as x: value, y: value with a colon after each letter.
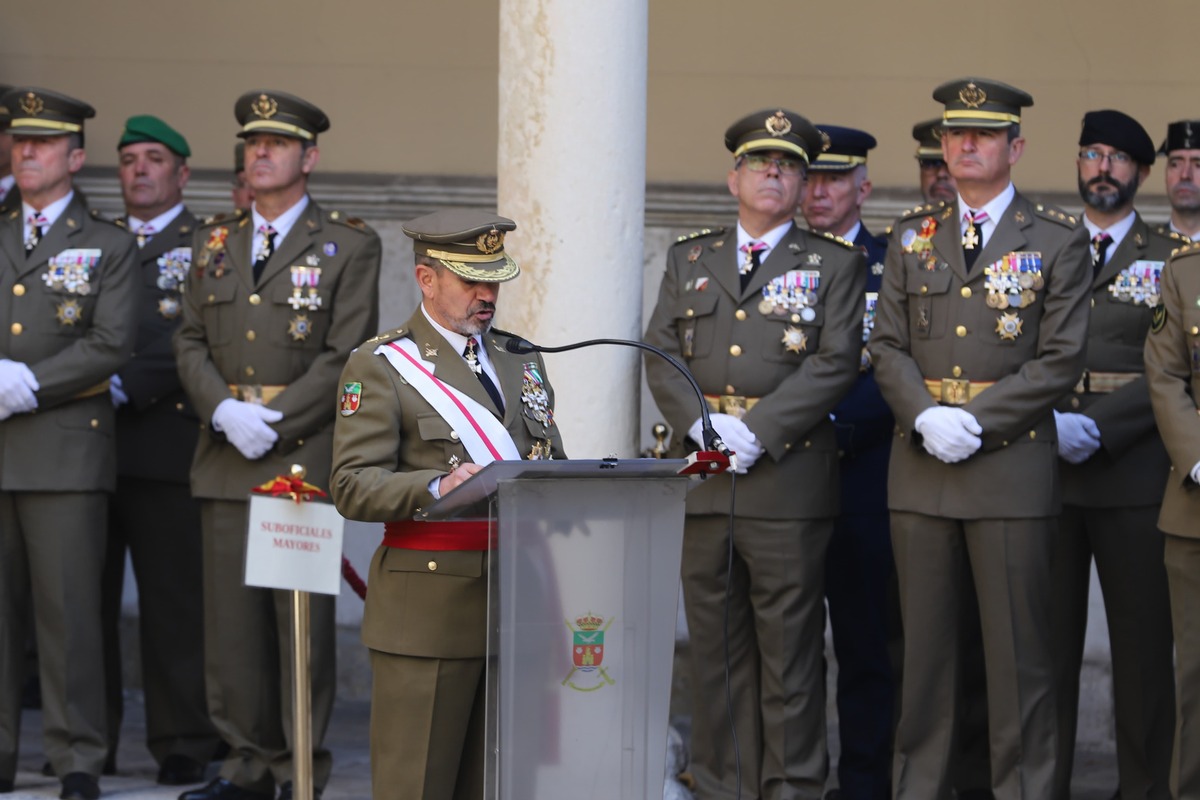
x: 275, y: 301
x: 156, y: 436
x: 980, y: 328
x: 403, y: 440
x: 768, y: 319
x: 1113, y: 468
x: 67, y: 323
x: 1182, y: 149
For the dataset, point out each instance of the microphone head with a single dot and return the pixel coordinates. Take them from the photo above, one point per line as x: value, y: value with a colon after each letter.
x: 518, y: 345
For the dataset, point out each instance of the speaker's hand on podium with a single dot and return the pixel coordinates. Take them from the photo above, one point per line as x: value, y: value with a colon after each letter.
x: 457, y: 476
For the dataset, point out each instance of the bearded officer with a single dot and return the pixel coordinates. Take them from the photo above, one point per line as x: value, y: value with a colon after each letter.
x: 937, y: 185
x: 156, y: 437
x: 768, y: 319
x: 860, y: 583
x: 1114, y: 467
x: 275, y: 301
x: 980, y: 328
x: 69, y: 316
x: 1172, y: 358
x: 404, y: 439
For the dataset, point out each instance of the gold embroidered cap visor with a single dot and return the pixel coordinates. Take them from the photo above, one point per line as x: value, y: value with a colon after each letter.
x: 775, y: 129
x: 981, y: 103
x: 280, y: 113
x: 41, y: 112
x: 468, y: 243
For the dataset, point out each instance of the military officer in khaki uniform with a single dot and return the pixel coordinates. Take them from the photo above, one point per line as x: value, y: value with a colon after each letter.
x: 1113, y: 469
x: 768, y: 318
x: 156, y: 437
x: 1173, y: 373
x: 402, y: 441
x: 67, y: 323
x: 1182, y: 173
x: 980, y: 329
x: 275, y: 301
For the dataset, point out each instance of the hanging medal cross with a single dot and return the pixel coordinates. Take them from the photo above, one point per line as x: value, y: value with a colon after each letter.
x: 751, y: 252
x: 472, y: 359
x: 970, y: 239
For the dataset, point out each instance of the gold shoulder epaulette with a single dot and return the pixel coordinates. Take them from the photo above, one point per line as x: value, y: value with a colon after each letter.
x: 700, y: 233
x: 1056, y: 215
x: 350, y: 222
x: 387, y: 336
x: 918, y: 211
x: 843, y: 242
x: 1190, y: 247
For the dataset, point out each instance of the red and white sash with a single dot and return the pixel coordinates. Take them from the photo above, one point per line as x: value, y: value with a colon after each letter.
x: 484, y: 436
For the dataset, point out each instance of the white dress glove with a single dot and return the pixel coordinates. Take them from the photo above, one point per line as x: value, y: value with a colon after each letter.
x: 17, y: 387
x: 117, y: 390
x: 950, y: 434
x: 1078, y: 437
x: 739, y: 438
x: 245, y: 426
x: 1196, y: 473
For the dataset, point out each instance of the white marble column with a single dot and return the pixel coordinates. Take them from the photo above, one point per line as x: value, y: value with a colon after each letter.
x: 572, y: 173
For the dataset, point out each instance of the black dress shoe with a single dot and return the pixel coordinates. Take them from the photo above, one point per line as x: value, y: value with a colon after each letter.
x: 285, y: 791
x: 180, y: 770
x: 221, y: 789
x: 79, y: 786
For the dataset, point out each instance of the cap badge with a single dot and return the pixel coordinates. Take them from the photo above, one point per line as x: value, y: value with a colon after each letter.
x: 32, y: 105
x: 778, y: 124
x: 490, y: 242
x: 265, y: 106
x: 825, y: 143
x: 972, y: 96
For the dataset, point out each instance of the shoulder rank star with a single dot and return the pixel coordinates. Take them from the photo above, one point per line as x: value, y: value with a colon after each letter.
x: 794, y: 340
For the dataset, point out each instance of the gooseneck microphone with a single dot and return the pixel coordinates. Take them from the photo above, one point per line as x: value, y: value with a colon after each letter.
x: 712, y: 440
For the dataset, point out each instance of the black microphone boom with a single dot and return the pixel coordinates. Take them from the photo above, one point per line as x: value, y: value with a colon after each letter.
x: 712, y: 441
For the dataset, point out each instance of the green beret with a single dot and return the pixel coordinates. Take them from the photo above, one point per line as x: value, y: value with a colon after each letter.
x: 145, y: 128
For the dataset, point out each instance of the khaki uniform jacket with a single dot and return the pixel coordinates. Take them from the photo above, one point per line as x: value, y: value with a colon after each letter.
x: 238, y: 331
x: 932, y: 321
x: 73, y: 340
x: 1131, y: 465
x: 734, y: 347
x: 157, y: 428
x: 1173, y: 373
x: 385, y: 455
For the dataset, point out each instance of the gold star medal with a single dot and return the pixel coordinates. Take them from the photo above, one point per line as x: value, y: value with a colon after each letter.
x: 1008, y: 325
x: 168, y: 307
x: 794, y: 340
x: 69, y: 313
x: 300, y: 327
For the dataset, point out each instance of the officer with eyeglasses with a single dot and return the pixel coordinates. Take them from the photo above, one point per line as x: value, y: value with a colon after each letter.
x: 937, y: 184
x: 980, y: 329
x: 1114, y: 466
x: 768, y: 318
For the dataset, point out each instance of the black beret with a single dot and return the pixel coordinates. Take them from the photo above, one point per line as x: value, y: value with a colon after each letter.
x: 1119, y: 130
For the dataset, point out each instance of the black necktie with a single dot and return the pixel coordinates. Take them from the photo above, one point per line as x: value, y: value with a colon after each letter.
x: 264, y: 252
x: 477, y: 368
x: 1100, y: 244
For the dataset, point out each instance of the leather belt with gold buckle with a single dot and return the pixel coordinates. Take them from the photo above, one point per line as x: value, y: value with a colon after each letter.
x: 1104, y: 382
x: 735, y: 405
x: 956, y: 391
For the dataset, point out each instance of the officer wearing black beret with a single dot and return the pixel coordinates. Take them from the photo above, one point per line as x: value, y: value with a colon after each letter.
x: 936, y: 183
x: 768, y: 319
x: 1113, y: 469
x: 980, y: 329
x: 69, y: 290
x: 1182, y: 149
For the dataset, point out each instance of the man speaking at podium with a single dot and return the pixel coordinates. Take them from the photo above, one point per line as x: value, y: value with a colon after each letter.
x: 423, y: 408
x: 768, y: 319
